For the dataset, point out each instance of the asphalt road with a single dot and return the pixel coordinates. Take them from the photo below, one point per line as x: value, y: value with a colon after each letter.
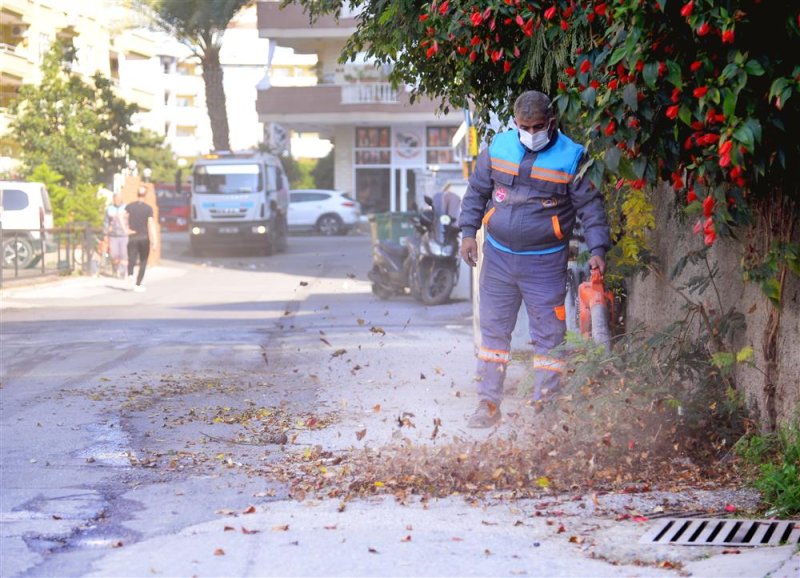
x: 137, y: 431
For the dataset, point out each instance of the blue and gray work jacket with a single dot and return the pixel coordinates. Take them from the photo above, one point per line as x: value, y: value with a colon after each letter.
x: 528, y: 201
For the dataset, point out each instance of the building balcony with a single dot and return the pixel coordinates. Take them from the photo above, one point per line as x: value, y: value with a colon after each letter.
x: 291, y: 27
x: 144, y: 100
x: 15, y: 63
x: 340, y: 104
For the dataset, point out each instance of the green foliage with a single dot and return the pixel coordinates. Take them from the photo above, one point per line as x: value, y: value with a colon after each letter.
x: 691, y: 93
x: 776, y: 459
x: 76, y: 128
x: 323, y: 172
x: 149, y: 150
x: 82, y: 204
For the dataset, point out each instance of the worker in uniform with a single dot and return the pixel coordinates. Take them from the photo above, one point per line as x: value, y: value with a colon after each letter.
x: 526, y: 194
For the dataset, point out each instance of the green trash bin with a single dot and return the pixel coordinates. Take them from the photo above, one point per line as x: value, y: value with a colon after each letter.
x: 391, y: 226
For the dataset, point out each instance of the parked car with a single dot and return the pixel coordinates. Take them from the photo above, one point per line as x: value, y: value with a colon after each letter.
x: 173, y: 209
x: 25, y: 210
x: 326, y: 211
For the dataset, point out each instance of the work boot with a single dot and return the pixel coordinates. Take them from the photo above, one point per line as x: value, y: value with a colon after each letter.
x: 487, y: 415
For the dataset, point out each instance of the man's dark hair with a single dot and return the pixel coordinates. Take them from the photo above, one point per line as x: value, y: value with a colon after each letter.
x: 533, y: 103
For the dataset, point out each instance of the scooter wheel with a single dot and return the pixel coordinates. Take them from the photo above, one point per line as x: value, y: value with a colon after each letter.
x: 382, y: 292
x: 440, y: 285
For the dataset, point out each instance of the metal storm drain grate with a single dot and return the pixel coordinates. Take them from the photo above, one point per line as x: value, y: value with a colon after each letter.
x: 709, y: 532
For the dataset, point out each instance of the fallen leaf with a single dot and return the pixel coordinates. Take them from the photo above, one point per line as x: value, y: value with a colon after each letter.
x: 303, y: 283
x: 731, y: 551
x: 561, y: 529
x: 406, y: 539
x: 246, y: 531
x: 281, y: 528
x: 372, y: 551
x: 360, y: 434
x: 376, y: 408
x: 325, y: 341
x: 378, y: 330
x: 250, y: 510
x: 360, y: 321
x: 219, y: 552
x: 730, y: 508
x: 228, y: 529
x: 117, y: 544
x: 330, y: 527
x: 338, y: 353
x: 422, y: 376
x: 576, y: 539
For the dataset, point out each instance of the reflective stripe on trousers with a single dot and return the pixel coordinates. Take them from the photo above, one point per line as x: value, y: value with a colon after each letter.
x: 506, y: 282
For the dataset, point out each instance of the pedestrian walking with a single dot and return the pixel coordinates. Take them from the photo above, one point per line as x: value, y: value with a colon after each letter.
x: 142, y: 236
x: 526, y: 194
x: 116, y: 228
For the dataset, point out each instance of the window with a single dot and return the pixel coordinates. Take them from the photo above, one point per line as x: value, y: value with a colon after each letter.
x: 439, y: 141
x: 235, y: 178
x: 373, y: 146
x: 186, y: 69
x: 309, y: 197
x: 186, y: 131
x: 184, y: 100
x: 14, y: 200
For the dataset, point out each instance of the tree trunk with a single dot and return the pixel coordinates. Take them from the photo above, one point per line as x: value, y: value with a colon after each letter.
x: 215, y: 98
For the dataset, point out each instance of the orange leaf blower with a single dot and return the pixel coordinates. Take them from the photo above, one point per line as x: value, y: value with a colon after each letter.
x: 595, y: 304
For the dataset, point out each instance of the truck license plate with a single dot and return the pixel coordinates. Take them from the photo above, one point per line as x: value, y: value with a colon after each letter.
x: 229, y: 230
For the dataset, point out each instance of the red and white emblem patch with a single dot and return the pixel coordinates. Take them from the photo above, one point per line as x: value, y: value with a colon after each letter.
x: 499, y: 194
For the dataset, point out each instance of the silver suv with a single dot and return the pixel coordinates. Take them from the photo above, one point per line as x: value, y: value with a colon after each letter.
x: 327, y: 211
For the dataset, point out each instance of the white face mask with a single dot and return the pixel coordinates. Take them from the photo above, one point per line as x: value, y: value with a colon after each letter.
x: 534, y: 141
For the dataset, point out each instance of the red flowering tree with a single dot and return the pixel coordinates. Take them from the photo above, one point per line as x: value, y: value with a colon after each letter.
x: 696, y: 93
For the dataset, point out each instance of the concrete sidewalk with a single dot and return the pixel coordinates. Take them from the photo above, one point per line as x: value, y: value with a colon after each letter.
x: 557, y: 535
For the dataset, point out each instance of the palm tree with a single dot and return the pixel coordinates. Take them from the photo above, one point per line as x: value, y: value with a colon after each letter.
x: 200, y: 24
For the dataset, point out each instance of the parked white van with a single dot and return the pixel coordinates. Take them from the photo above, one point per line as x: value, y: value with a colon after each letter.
x: 25, y: 210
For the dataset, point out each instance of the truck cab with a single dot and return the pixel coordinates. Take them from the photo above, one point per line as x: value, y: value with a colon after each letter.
x: 239, y: 200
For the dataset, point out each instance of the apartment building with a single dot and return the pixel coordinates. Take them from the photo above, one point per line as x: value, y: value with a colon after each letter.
x: 386, y: 150
x: 148, y: 68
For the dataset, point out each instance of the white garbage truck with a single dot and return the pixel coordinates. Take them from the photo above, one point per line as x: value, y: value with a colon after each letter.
x: 239, y: 200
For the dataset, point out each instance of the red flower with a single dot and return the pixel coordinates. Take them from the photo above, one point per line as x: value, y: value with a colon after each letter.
x: 520, y: 20
x: 613, y: 83
x: 443, y: 7
x: 725, y: 147
x: 570, y: 71
x: 432, y: 50
x: 639, y: 66
x: 561, y: 86
x: 727, y: 37
x: 528, y: 28
x: 600, y: 9
x: 709, y: 238
x: 676, y: 94
x: 590, y: 17
x: 672, y: 111
x: 703, y: 29
x: 475, y: 41
x: 564, y: 25
x: 662, y: 69
x: 594, y: 84
x: 506, y: 67
x: 476, y: 18
x: 586, y: 66
x: 708, y: 206
x: 677, y: 181
x: 700, y: 91
x: 550, y: 12
x: 691, y: 196
x: 698, y: 227
x: 611, y: 128
x: 473, y: 56
x: 462, y: 50
x: 695, y: 66
x: 516, y: 51
x: 423, y: 17
x: 686, y: 11
x: 708, y: 225
x: 736, y: 172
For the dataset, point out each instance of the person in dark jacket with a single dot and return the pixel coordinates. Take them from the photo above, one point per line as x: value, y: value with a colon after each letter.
x: 142, y: 236
x: 526, y: 195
